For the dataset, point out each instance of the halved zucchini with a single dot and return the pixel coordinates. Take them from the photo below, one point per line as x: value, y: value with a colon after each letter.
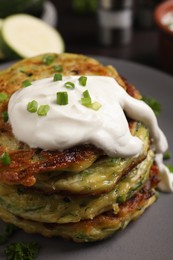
x: 23, y: 36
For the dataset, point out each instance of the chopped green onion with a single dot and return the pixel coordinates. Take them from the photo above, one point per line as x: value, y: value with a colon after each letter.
x: 48, y: 59
x: 82, y: 81
x: 43, y: 110
x: 62, y: 98
x: 32, y: 106
x: 26, y: 83
x: 86, y: 101
x: 69, y: 85
x: 57, y: 77
x: 86, y: 94
x: 3, y: 97
x: 5, y: 158
x: 5, y: 116
x: 57, y: 68
x: 96, y: 106
x: 167, y: 155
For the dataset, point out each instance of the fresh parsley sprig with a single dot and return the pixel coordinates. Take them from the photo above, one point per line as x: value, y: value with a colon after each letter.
x: 23, y: 251
x: 153, y: 103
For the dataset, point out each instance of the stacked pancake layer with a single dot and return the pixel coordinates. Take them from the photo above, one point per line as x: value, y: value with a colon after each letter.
x: 80, y: 193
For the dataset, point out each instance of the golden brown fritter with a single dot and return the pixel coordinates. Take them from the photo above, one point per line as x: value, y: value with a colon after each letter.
x: 80, y: 193
x: 27, y: 162
x: 72, y: 64
x: 100, y: 227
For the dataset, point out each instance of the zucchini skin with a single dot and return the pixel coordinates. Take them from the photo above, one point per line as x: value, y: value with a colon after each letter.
x: 7, y: 51
x: 24, y: 35
x: 32, y: 7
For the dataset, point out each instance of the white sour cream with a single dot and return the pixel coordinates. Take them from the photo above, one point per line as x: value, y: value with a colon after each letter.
x: 166, y: 177
x: 68, y: 125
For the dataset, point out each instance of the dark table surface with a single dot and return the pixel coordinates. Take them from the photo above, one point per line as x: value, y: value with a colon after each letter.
x: 80, y: 33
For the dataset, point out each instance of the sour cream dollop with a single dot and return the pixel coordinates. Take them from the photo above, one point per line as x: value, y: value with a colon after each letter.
x: 68, y: 125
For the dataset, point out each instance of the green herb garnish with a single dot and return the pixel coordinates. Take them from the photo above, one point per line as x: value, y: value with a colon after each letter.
x: 167, y: 155
x: 5, y: 116
x: 32, y: 106
x: 7, y: 232
x: 62, y: 98
x: 170, y: 167
x: 82, y: 81
x: 69, y: 85
x: 57, y: 77
x: 86, y: 94
x: 26, y: 83
x: 43, y: 110
x: 22, y: 251
x: 57, y: 68
x: 87, y: 101
x: 5, y: 158
x: 3, y: 97
x: 48, y: 59
x: 96, y: 106
x: 155, y: 106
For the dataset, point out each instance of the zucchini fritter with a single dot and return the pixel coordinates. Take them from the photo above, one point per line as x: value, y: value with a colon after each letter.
x: 80, y: 193
x: 64, y: 209
x: 96, y: 229
x: 26, y: 162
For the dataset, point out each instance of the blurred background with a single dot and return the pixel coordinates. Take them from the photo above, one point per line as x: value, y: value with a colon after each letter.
x: 122, y: 29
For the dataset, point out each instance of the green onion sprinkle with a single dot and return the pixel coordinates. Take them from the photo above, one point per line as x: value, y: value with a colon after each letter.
x: 62, y: 98
x: 32, y: 106
x: 57, y: 68
x: 69, y: 85
x: 57, y: 77
x: 3, y: 97
x: 5, y: 116
x: 82, y: 81
x: 5, y: 158
x: 43, y: 110
x: 26, y: 83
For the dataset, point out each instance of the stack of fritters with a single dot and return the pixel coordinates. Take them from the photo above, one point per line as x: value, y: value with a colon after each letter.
x: 79, y: 193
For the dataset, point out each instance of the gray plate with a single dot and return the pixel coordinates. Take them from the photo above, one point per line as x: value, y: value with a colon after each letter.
x: 151, y: 236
